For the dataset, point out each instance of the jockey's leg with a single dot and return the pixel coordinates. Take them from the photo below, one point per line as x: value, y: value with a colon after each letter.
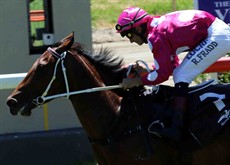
x: 196, y: 61
x: 215, y: 46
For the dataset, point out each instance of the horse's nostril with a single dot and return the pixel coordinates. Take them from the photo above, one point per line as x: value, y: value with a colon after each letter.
x: 11, y: 102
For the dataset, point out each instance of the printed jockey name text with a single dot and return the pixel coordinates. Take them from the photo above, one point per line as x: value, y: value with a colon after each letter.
x: 204, y: 49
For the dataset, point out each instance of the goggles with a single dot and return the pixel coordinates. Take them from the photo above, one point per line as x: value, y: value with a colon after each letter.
x: 127, y: 33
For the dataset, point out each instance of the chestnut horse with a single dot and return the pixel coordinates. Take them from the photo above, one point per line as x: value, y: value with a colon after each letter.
x: 116, y: 135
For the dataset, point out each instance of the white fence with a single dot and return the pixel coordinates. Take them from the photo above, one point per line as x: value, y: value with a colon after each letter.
x: 10, y: 81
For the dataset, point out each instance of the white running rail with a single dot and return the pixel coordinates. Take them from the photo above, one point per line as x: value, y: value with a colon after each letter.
x: 10, y: 81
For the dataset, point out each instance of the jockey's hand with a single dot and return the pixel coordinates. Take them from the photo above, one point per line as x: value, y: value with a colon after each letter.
x: 137, y: 71
x: 131, y: 82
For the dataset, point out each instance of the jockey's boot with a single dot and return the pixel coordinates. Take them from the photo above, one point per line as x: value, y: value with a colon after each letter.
x: 175, y: 130
x: 179, y: 109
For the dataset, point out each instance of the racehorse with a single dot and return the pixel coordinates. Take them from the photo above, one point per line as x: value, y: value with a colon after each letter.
x: 117, y: 121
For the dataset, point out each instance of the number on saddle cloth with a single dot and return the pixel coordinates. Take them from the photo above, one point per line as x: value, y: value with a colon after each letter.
x: 209, y: 111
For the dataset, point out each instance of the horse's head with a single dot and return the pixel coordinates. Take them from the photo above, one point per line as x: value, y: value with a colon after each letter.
x: 38, y: 78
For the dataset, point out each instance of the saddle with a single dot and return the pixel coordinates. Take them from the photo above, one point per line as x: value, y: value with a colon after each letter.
x: 208, y: 110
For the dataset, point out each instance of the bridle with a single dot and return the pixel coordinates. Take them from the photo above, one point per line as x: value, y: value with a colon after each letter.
x: 60, y: 59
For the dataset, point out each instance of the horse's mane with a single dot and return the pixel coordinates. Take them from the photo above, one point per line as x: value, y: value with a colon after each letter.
x: 109, y: 66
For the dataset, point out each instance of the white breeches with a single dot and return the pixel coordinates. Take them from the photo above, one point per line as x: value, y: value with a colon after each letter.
x: 215, y: 46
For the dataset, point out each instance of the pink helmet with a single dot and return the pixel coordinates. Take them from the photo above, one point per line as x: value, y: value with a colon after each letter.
x: 130, y: 18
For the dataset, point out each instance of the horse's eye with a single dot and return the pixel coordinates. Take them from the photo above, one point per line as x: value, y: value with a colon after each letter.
x: 42, y: 63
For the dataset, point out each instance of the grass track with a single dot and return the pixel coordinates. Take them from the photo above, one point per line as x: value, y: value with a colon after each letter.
x: 104, y: 13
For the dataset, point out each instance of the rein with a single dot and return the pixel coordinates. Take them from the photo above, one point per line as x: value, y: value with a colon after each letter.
x: 61, y: 57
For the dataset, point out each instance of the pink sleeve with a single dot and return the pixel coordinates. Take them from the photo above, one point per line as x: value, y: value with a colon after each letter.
x: 163, y: 60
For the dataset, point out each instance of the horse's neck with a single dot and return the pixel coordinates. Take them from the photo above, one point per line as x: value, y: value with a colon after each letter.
x: 96, y: 110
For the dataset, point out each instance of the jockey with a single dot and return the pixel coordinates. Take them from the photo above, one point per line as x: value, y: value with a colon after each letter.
x: 205, y: 37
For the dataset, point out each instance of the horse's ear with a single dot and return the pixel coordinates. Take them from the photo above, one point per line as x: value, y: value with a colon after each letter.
x: 69, y: 37
x: 66, y: 43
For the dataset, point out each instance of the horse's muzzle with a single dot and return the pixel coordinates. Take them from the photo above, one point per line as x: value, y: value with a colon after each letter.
x: 13, y: 105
